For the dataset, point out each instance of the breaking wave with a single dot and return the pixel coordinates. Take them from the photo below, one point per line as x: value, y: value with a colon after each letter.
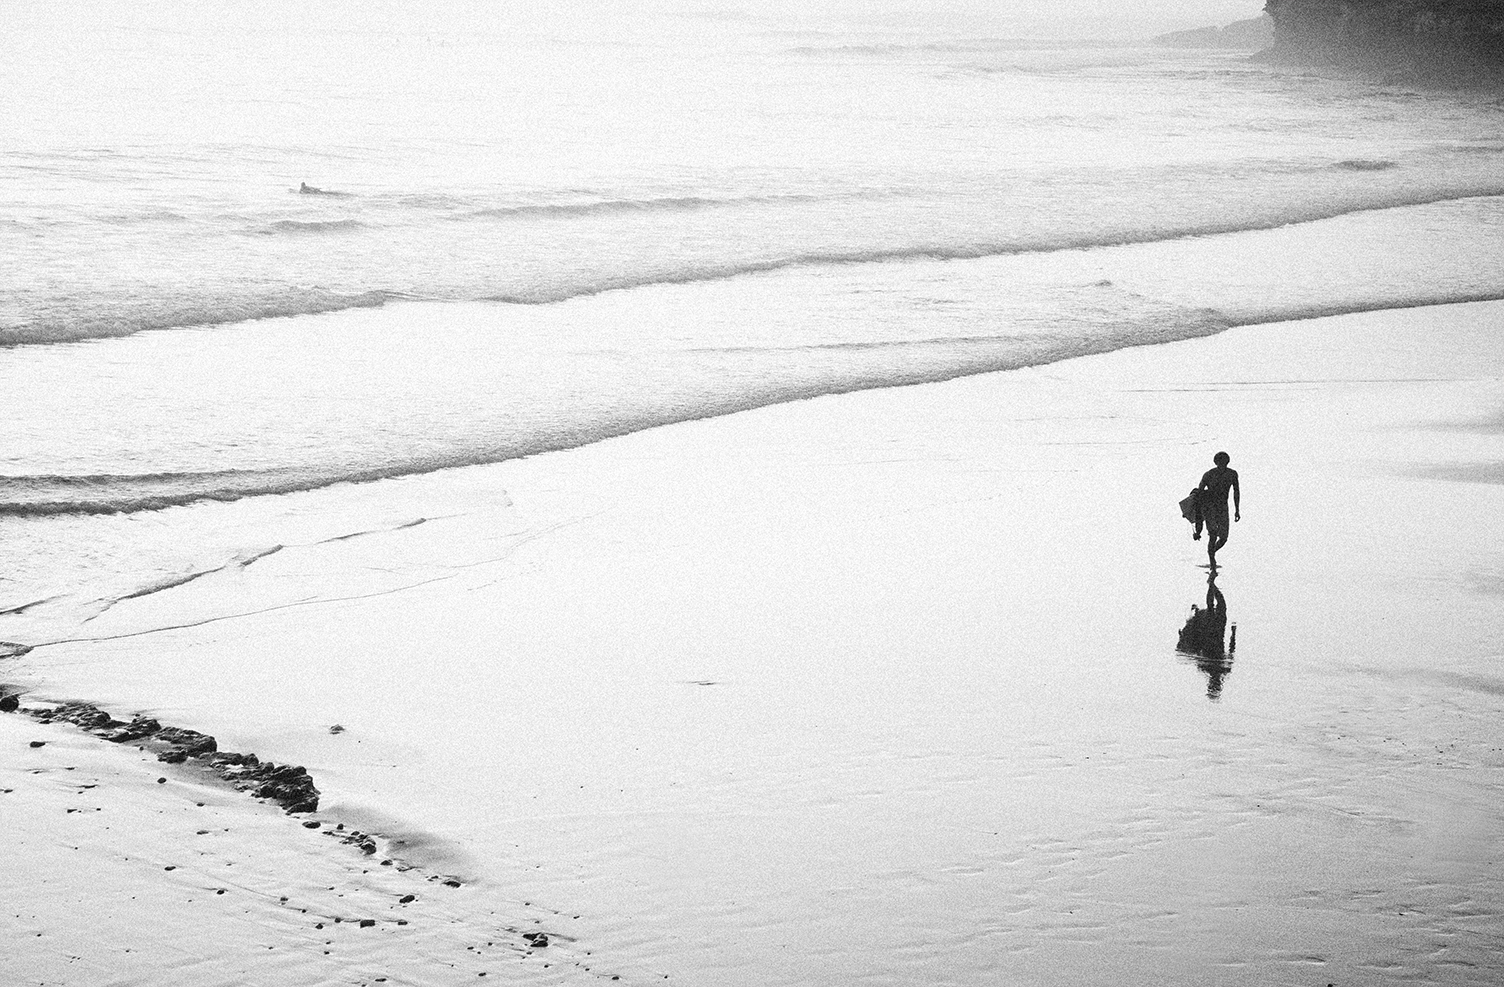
x: 1022, y: 245
x: 1367, y: 164
x: 127, y: 316
x: 606, y: 206
x: 457, y: 248
x: 299, y: 226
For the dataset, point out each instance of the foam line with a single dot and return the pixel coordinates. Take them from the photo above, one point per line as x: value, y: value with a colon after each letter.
x: 210, y: 313
x: 722, y: 272
x: 947, y: 359
x: 300, y: 302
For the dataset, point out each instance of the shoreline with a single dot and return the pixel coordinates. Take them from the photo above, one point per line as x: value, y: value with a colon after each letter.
x: 1278, y: 269
x: 737, y: 622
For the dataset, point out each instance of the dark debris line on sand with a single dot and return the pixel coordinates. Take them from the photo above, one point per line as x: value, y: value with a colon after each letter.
x: 289, y: 786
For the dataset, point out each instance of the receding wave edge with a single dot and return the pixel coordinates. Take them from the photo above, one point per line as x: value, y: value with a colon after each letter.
x: 926, y: 361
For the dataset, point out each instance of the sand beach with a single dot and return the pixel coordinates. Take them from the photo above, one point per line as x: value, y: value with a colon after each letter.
x: 873, y: 688
x: 651, y: 492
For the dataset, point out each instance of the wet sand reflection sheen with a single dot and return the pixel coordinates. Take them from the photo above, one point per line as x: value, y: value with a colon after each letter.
x: 1202, y: 638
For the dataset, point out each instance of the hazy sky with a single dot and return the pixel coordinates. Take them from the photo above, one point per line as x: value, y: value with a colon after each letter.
x: 1119, y: 19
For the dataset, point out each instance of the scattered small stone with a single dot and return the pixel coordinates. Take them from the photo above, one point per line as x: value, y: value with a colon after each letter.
x: 451, y: 883
x: 407, y: 898
x: 9, y: 704
x: 312, y: 824
x: 171, y: 867
x: 537, y: 940
x: 366, y: 923
x: 336, y: 729
x: 39, y: 743
x: 161, y: 781
x: 220, y: 891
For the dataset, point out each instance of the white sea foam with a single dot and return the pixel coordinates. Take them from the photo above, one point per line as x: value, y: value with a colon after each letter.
x: 293, y: 404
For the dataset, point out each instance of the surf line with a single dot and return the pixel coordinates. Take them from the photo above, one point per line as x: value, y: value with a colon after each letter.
x: 977, y: 251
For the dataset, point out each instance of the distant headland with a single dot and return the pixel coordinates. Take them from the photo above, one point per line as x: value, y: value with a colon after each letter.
x: 1459, y: 41
x: 1251, y: 35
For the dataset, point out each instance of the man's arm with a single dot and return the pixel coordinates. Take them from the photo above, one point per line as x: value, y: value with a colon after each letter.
x: 1236, y: 497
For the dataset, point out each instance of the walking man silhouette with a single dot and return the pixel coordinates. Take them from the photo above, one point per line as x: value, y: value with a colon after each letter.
x: 1215, y: 483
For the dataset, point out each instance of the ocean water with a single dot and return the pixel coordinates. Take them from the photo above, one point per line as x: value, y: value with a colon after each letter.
x: 534, y: 233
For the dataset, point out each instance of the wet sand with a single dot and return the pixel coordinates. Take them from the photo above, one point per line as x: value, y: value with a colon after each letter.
x: 885, y: 687
x: 122, y: 870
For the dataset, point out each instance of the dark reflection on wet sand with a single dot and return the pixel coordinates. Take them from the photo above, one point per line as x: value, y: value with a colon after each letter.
x: 1202, y: 638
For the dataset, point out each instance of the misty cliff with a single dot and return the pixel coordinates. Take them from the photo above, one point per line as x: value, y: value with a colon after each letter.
x: 1254, y: 33
x: 1450, y: 39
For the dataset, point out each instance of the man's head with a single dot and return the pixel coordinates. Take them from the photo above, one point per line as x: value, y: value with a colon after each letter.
x: 1221, y: 459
